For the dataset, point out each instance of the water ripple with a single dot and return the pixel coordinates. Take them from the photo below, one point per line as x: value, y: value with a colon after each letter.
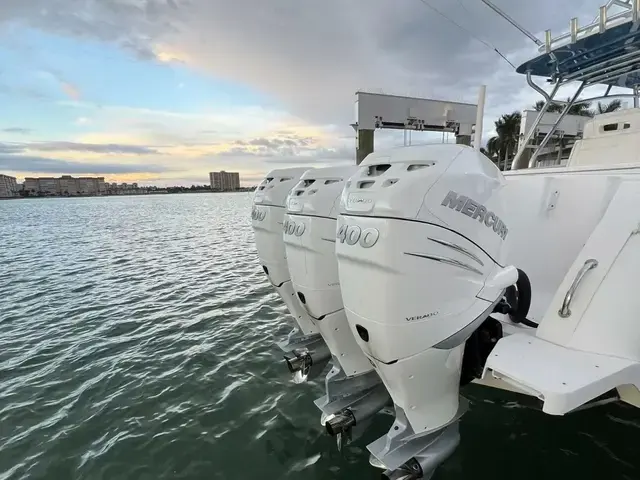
x: 137, y: 342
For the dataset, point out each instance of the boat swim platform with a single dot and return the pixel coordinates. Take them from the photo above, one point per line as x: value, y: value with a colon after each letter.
x: 563, y: 378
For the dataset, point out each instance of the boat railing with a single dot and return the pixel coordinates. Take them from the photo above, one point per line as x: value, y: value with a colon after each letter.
x: 628, y: 10
x: 605, y: 52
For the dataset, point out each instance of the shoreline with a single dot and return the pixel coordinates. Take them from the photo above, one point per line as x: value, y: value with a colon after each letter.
x: 148, y: 194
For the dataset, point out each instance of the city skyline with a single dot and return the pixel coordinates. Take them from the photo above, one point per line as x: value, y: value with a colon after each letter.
x: 69, y: 186
x: 165, y: 91
x: 21, y: 183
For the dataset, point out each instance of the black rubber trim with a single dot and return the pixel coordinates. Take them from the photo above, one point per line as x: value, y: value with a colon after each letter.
x: 321, y: 317
x: 293, y: 214
x: 388, y: 363
x: 519, y: 298
x: 279, y: 285
x: 426, y: 223
x: 458, y: 338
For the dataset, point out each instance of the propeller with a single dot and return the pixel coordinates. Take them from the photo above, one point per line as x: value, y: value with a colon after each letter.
x: 343, y: 437
x: 340, y: 425
x: 411, y: 470
x: 299, y: 365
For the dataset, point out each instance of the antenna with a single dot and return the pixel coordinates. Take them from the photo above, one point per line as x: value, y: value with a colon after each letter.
x: 477, y: 143
x: 486, y: 44
x: 512, y: 22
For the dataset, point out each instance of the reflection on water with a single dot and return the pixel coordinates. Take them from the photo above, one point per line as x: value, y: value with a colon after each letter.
x: 137, y: 342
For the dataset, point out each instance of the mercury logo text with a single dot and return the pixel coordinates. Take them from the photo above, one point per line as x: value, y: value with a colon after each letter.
x: 477, y: 211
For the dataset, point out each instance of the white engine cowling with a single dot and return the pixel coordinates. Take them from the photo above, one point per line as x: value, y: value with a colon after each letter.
x: 309, y: 237
x: 267, y: 217
x: 421, y: 247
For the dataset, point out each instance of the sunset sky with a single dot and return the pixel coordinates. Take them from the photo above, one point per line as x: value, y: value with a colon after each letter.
x: 164, y: 91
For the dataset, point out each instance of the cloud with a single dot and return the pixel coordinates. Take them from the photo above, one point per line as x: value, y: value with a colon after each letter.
x: 307, y: 58
x: 319, y: 156
x: 313, y: 56
x: 309, y: 161
x: 10, y: 148
x: 252, y: 178
x: 172, y: 127
x: 19, y: 130
x: 287, y: 155
x: 59, y: 146
x: 27, y: 163
x: 281, y: 145
x: 227, y: 132
x: 277, y: 143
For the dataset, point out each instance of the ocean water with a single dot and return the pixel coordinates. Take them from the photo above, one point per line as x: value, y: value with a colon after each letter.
x: 137, y: 342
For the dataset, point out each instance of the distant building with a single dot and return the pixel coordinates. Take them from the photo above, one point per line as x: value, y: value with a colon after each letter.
x: 125, y: 189
x: 68, y: 185
x: 31, y: 185
x: 224, y: 181
x: 65, y: 185
x: 8, y: 186
x: 48, y: 185
x: 91, y: 185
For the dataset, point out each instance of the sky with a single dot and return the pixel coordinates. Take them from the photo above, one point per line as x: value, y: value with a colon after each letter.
x: 161, y: 92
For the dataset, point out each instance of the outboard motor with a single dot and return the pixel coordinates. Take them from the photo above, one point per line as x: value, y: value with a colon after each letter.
x: 267, y: 218
x: 421, y: 248
x: 353, y: 388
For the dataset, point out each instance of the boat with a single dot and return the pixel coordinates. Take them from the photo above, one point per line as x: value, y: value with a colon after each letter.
x: 452, y: 272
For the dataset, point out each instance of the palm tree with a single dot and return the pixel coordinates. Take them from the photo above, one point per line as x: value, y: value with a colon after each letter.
x: 493, y: 150
x: 614, y: 106
x: 493, y: 147
x: 508, y: 130
x: 582, y: 109
x: 540, y: 103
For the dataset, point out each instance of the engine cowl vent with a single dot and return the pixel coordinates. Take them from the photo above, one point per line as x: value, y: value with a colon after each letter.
x: 308, y: 183
x: 330, y: 181
x: 366, y: 184
x: 389, y: 182
x: 377, y: 170
x: 419, y: 166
